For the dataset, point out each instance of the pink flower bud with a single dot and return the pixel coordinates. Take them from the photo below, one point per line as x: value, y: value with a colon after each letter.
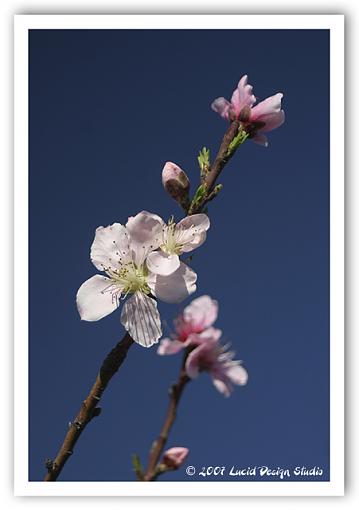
x: 174, y: 457
x: 176, y: 183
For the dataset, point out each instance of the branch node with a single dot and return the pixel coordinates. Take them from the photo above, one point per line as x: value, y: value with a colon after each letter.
x: 96, y: 412
x: 50, y: 465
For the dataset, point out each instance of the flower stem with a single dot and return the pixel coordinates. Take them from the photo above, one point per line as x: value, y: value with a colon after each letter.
x: 89, y: 408
x: 175, y: 394
x: 223, y: 156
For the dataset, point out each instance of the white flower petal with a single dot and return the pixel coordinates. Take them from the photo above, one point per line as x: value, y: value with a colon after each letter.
x: 146, y: 231
x: 141, y: 319
x: 95, y: 300
x: 159, y: 262
x: 111, y: 247
x: 191, y: 231
x: 197, y: 240
x: 175, y: 287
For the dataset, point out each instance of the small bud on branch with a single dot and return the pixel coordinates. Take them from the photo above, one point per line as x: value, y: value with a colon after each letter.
x: 176, y: 183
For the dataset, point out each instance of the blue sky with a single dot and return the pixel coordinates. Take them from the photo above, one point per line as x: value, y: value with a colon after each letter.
x: 107, y: 110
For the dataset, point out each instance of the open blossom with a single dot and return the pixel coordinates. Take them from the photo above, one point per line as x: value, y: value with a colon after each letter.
x: 174, y: 457
x: 178, y: 238
x: 121, y: 252
x: 195, y: 331
x: 199, y: 315
x: 212, y: 357
x: 256, y: 120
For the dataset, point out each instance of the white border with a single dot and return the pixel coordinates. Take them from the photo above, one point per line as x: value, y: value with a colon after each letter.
x: 335, y: 23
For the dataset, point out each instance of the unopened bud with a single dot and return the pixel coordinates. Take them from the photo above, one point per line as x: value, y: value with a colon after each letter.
x: 174, y: 457
x: 176, y: 183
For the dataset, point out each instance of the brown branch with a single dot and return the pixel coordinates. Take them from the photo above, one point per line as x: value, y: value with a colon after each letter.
x: 88, y: 410
x: 175, y: 394
x: 223, y: 156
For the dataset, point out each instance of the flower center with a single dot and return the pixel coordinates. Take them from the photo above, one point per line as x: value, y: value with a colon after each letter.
x: 176, y: 237
x: 131, y: 278
x: 171, y: 246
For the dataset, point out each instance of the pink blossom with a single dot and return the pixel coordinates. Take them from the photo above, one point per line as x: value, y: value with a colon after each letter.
x: 198, y: 316
x: 214, y: 358
x: 174, y: 457
x: 255, y: 120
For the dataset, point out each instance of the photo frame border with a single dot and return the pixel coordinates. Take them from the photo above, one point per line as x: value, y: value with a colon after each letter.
x: 22, y: 25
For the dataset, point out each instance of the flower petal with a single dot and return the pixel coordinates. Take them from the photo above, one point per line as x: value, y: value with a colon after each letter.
x: 242, y: 96
x: 110, y: 248
x: 174, y: 457
x: 209, y: 335
x: 201, y: 313
x: 168, y: 346
x: 270, y: 105
x: 141, y: 319
x: 272, y: 121
x: 146, y: 231
x: 95, y: 300
x: 193, y: 361
x: 261, y: 139
x: 175, y: 287
x: 190, y: 232
x: 159, y: 262
x: 223, y: 386
x: 237, y: 374
x: 221, y: 106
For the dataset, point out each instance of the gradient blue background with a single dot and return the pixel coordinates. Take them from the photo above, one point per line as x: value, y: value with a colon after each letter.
x: 107, y: 110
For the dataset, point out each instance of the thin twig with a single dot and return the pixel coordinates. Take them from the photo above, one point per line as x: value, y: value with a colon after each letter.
x: 223, y: 155
x: 175, y: 394
x: 89, y: 408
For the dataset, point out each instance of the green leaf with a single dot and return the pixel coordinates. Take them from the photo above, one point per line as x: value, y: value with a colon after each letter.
x: 203, y: 161
x: 200, y: 193
x: 215, y: 192
x: 240, y: 137
x: 137, y: 466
